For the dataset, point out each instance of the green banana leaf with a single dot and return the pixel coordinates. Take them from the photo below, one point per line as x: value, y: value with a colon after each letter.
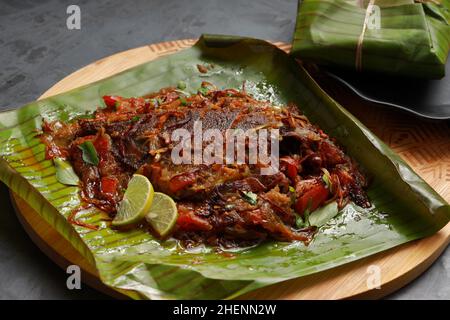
x: 404, y: 206
x: 408, y: 38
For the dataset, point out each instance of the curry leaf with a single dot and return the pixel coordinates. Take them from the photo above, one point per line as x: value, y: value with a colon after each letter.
x: 183, y: 101
x: 90, y: 155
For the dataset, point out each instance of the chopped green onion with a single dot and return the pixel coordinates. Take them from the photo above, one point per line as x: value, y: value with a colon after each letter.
x: 90, y: 155
x: 183, y: 101
x: 299, y: 222
x: 327, y: 179
x: 135, y: 118
x: 87, y: 115
x: 203, y: 90
x: 250, y: 197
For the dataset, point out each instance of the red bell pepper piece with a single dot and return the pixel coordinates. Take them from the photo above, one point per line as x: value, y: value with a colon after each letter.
x: 111, y: 101
x: 312, y: 199
x: 181, y: 181
x: 189, y: 221
x: 109, y: 185
x: 289, y: 166
x: 102, y: 145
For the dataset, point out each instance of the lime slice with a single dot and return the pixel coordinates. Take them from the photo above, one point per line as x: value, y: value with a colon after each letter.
x: 163, y: 214
x: 136, y: 201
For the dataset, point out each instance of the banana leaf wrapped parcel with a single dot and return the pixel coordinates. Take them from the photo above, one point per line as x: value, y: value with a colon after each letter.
x: 397, y: 37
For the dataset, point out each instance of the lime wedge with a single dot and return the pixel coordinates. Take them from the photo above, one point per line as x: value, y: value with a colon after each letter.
x: 136, y: 201
x: 163, y: 214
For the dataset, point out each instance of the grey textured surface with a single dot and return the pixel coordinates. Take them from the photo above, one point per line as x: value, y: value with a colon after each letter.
x: 37, y: 50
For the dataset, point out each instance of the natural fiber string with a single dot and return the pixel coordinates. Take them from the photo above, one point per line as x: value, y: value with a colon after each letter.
x: 358, y: 58
x: 359, y: 45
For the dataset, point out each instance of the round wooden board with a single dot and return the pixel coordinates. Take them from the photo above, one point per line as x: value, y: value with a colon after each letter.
x: 424, y: 145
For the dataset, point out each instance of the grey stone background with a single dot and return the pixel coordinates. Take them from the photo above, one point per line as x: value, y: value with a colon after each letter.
x: 37, y: 50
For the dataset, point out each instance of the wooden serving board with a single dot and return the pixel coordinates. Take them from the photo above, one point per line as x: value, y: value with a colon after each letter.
x: 424, y: 145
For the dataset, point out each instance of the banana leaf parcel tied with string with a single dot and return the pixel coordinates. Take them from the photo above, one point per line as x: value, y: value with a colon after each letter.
x: 398, y: 37
x: 140, y: 265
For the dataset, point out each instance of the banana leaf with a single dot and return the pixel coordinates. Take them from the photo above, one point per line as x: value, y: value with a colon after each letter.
x: 404, y: 206
x: 403, y: 37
